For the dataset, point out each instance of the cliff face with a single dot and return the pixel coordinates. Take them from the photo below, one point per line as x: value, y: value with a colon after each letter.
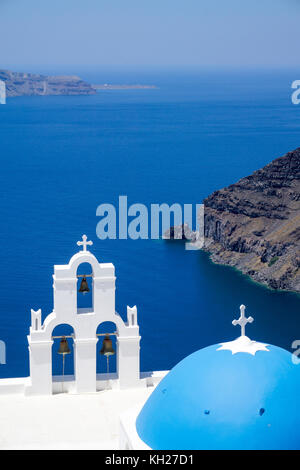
x: 20, y: 84
x: 254, y: 224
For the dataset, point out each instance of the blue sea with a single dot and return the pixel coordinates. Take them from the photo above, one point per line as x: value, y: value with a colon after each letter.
x: 61, y: 157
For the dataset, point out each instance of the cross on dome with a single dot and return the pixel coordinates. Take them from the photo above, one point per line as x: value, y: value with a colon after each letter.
x: 243, y: 343
x: 242, y: 321
x: 84, y: 243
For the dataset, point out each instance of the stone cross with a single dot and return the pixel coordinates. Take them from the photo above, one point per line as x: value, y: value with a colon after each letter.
x: 84, y: 243
x: 242, y: 321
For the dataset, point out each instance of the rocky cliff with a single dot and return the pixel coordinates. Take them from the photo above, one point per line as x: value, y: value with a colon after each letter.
x: 254, y: 224
x: 20, y: 84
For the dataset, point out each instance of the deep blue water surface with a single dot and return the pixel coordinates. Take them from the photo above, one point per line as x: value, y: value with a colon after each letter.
x: 63, y: 156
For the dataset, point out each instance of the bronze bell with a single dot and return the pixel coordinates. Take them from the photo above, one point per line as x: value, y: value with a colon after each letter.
x: 84, y: 288
x: 64, y: 346
x: 107, y: 348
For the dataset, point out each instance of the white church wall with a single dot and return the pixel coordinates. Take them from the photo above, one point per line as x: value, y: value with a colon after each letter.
x: 128, y: 436
x: 13, y: 386
x: 60, y: 384
x: 40, y: 362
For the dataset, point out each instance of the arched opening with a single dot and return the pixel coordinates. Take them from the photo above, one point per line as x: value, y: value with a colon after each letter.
x: 106, y: 363
x: 85, y: 288
x: 63, y: 359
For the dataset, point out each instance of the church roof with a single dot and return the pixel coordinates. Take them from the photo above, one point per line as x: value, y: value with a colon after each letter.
x: 236, y: 395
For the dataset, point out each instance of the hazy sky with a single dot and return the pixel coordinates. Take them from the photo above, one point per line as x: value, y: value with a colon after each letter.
x: 149, y: 32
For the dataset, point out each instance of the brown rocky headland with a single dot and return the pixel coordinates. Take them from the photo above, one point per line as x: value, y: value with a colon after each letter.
x: 254, y: 224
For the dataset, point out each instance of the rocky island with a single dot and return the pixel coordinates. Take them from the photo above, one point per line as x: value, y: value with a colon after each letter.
x: 109, y: 86
x: 29, y: 84
x: 254, y: 224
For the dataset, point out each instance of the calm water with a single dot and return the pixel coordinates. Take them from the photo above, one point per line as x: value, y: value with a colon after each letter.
x: 63, y: 156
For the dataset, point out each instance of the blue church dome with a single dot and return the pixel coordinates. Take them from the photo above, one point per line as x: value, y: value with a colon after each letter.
x: 238, y: 395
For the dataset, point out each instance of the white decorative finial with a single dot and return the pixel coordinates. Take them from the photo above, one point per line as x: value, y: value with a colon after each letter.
x: 243, y: 344
x: 242, y: 321
x: 84, y: 243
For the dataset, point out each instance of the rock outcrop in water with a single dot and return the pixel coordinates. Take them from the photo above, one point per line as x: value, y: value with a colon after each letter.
x: 254, y: 224
x: 22, y: 84
x: 180, y: 232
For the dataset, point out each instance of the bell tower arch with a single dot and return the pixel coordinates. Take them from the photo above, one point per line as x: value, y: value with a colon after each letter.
x: 85, y: 288
x: 65, y: 287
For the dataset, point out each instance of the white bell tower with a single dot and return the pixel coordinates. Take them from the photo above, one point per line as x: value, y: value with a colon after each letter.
x: 84, y: 323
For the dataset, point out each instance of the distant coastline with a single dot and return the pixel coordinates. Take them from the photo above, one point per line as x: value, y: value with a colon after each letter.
x: 29, y: 84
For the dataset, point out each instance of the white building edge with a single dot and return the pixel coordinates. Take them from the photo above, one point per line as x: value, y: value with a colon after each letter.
x: 2, y: 92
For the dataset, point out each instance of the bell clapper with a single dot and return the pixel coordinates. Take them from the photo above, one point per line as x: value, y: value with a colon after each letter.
x: 63, y: 350
x: 62, y: 384
x: 107, y: 350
